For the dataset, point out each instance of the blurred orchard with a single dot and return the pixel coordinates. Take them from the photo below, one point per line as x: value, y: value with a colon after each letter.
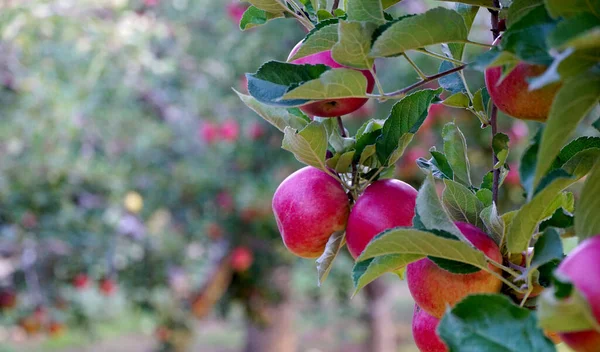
x: 135, y: 186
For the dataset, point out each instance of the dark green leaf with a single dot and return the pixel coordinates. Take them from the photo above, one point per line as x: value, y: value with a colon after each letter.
x: 561, y: 8
x: 500, y: 147
x: 574, y: 147
x: 461, y: 204
x: 559, y: 219
x: 366, y: 271
x: 520, y: 8
x: 452, y: 82
x: 254, y: 17
x: 500, y: 327
x: 526, y: 38
x: 587, y: 219
x: 528, y: 163
x: 455, y: 148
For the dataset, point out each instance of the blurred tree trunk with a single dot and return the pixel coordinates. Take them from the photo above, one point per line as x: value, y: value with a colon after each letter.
x: 382, y: 331
x: 276, y: 333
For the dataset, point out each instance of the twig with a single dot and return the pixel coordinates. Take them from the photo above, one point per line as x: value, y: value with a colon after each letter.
x: 401, y: 92
x: 494, y: 114
x: 341, y: 126
x: 421, y: 74
x: 441, y: 57
x: 336, y: 4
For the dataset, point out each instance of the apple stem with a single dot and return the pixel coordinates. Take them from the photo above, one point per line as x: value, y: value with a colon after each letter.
x: 438, y: 56
x: 421, y: 74
x: 336, y: 4
x: 400, y: 93
x: 341, y: 126
x: 505, y: 268
x: 494, y: 113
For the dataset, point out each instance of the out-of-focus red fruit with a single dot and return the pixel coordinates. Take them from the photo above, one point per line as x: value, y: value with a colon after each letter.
x: 435, y: 114
x: 365, y: 111
x: 8, y: 299
x: 29, y: 220
x: 518, y: 132
x: 309, y: 206
x: 235, y: 10
x: 424, y: 332
x: 230, y: 130
x: 225, y: 201
x: 256, y: 131
x: 80, y: 281
x: 31, y: 324
x: 513, y: 178
x: 249, y: 214
x: 434, y: 289
x: 107, y: 286
x: 384, y: 204
x: 208, y: 132
x: 582, y: 269
x: 408, y: 162
x: 333, y: 107
x: 243, y: 84
x: 214, y: 231
x: 162, y: 333
x: 56, y: 329
x: 241, y: 259
x: 151, y: 3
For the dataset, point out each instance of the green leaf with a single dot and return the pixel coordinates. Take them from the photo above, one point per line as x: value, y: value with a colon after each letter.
x: 354, y: 44
x: 482, y: 3
x: 519, y: 8
x: 389, y: 3
x: 320, y: 39
x: 478, y: 103
x: 437, y: 165
x: 572, y: 314
x: 455, y: 148
x: 485, y: 196
x: 500, y: 147
x: 334, y: 83
x: 276, y: 116
x: 461, y: 204
x: 309, y: 145
x: 547, y: 248
x: 561, y: 8
x: 573, y: 101
x: 575, y: 146
x: 365, y: 11
x: 529, y: 161
x: 406, y: 117
x: 457, y: 100
x: 468, y: 13
x: 436, y: 26
x: 272, y: 6
x: 587, y: 221
x: 273, y: 79
x: 366, y: 154
x: 433, y: 216
x: 543, y: 204
x: 493, y: 222
x: 452, y: 82
x: 580, y: 32
x: 410, y: 241
x: 526, y: 38
x: 560, y: 219
x: 323, y: 15
x: 325, y: 261
x: 341, y: 162
x: 551, y: 75
x: 254, y: 17
x: 500, y: 327
x: 365, y: 272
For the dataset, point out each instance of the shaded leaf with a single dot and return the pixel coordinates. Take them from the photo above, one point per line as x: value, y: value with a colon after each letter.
x: 325, y: 261
x: 455, y: 148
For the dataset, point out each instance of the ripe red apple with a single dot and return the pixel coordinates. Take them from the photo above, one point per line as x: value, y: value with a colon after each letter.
x: 433, y: 288
x: 513, y: 178
x: 334, y: 107
x: 512, y: 95
x: 241, y: 259
x: 107, y: 286
x: 230, y: 130
x: 424, y: 332
x: 384, y: 204
x: 80, y: 281
x: 208, y: 132
x: 8, y: 299
x: 309, y: 205
x: 582, y: 268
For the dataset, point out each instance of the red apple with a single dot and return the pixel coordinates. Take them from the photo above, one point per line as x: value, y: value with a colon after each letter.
x: 309, y: 206
x: 513, y: 178
x: 208, y: 132
x: 107, y: 286
x: 384, y: 204
x: 435, y: 114
x: 80, y: 281
x: 512, y: 95
x: 424, y: 332
x: 334, y: 107
x: 518, y: 132
x: 8, y: 299
x: 241, y: 259
x: 230, y: 130
x: 433, y: 288
x: 582, y: 269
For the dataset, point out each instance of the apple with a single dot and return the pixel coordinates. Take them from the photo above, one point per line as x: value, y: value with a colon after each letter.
x: 230, y: 130
x: 408, y: 163
x: 225, y: 201
x: 241, y: 259
x: 80, y: 281
x: 513, y: 96
x: 582, y: 268
x: 384, y: 204
x: 208, y: 132
x: 107, y: 286
x: 434, y: 288
x: 518, y: 132
x: 8, y: 299
x: 309, y: 206
x: 435, y: 114
x: 424, y: 332
x: 333, y: 107
x: 513, y: 178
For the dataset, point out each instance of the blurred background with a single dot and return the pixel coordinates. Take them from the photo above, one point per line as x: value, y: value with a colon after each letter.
x: 135, y: 187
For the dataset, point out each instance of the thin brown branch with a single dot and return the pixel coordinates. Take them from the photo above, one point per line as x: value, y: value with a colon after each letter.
x: 424, y: 81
